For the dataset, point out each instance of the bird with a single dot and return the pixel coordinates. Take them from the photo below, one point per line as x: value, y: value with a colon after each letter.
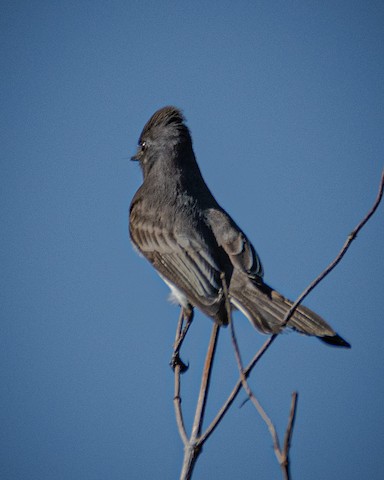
x: 195, y: 246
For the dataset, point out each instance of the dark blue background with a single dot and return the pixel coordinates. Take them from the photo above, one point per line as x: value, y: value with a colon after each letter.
x: 285, y: 101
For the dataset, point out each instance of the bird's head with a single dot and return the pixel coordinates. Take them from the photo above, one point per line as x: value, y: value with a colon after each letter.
x: 165, y: 138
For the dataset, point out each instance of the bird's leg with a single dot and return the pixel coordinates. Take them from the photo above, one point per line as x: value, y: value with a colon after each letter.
x: 187, y: 315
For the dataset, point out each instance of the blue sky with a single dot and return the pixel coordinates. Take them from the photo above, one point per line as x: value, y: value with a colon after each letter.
x: 285, y: 101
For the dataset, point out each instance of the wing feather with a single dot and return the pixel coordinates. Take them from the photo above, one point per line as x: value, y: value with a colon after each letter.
x: 234, y: 242
x: 186, y: 262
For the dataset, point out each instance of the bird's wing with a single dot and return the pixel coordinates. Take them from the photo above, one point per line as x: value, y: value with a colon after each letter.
x: 234, y: 242
x: 186, y: 261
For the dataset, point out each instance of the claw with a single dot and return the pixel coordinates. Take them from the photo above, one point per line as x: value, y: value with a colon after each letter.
x: 177, y: 362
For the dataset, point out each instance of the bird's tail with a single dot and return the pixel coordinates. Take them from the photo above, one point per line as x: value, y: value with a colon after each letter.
x: 266, y: 308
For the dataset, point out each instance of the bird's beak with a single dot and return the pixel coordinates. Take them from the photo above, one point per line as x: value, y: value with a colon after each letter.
x: 135, y: 158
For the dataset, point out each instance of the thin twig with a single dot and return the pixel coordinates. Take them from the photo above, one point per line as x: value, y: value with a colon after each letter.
x: 244, y: 382
x: 203, y: 394
x: 231, y: 397
x: 252, y: 397
x: 176, y: 396
x: 193, y: 447
x: 282, y: 456
x: 330, y: 267
x: 343, y: 251
x: 288, y: 435
x: 291, y: 421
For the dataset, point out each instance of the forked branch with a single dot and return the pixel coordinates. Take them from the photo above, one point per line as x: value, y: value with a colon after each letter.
x: 193, y: 445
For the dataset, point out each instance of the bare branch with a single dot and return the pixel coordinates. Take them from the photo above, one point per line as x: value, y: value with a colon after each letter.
x: 176, y: 396
x: 343, y: 251
x: 306, y: 292
x: 253, y: 398
x: 192, y: 447
x: 282, y: 456
x: 288, y: 434
x: 194, y: 444
x: 204, y: 387
x: 223, y: 410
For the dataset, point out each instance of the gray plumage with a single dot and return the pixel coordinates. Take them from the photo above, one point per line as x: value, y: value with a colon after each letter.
x: 176, y: 223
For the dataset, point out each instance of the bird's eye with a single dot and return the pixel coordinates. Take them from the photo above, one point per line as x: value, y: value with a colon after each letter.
x: 143, y: 146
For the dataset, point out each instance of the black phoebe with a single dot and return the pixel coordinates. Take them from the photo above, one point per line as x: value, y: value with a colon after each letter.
x: 176, y: 223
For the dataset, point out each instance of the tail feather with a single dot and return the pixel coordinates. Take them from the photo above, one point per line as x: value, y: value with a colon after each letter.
x: 266, y: 308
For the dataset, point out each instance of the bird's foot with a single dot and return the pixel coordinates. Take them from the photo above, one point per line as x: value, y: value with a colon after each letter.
x: 177, y: 362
